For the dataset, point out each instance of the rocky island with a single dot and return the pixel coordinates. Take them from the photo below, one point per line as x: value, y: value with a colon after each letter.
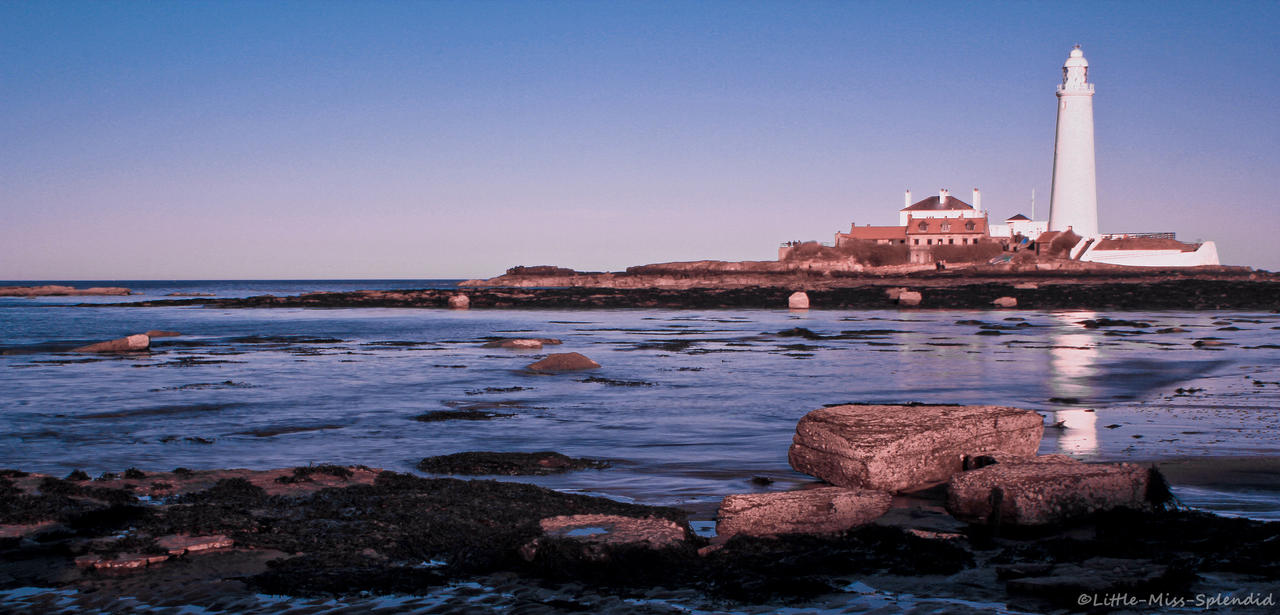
x: 768, y: 285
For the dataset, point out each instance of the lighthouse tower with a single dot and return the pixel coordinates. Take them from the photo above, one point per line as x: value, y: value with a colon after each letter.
x: 1074, y: 201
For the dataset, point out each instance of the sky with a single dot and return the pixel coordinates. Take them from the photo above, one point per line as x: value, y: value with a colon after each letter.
x: 319, y: 139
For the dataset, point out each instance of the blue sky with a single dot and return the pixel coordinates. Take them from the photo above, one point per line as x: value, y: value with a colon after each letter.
x: 456, y: 139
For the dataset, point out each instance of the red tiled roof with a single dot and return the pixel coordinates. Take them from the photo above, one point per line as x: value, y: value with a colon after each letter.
x: 955, y: 226
x: 934, y: 203
x: 876, y: 232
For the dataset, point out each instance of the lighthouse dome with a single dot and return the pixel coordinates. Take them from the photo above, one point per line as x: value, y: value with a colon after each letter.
x: 1076, y: 59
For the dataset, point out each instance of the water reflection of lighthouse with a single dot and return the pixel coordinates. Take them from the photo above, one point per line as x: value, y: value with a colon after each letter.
x: 1072, y: 373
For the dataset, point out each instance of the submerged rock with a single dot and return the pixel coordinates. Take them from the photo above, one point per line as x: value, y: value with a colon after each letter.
x: 1094, y: 579
x: 154, y: 333
x: 508, y: 464
x: 563, y: 362
x: 896, y: 448
x: 1045, y: 490
x: 825, y: 510
x: 132, y: 343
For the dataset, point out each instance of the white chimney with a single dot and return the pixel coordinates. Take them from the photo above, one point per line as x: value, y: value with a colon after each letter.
x: 906, y: 202
x: 943, y: 193
x: 977, y: 199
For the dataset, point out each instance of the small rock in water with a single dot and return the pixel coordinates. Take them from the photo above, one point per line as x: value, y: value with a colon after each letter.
x: 459, y: 415
x: 563, y: 361
x: 459, y: 302
x: 161, y: 333
x: 1005, y: 302
x: 798, y: 301
x: 909, y: 298
x: 522, y: 343
x: 133, y: 343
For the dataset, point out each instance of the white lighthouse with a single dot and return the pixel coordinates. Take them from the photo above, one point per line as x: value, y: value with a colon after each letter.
x: 1074, y: 201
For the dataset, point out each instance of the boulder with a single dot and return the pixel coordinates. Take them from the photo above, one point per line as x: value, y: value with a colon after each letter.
x: 798, y: 301
x: 133, y: 343
x: 893, y: 293
x: 1026, y: 286
x: 909, y: 297
x: 896, y: 448
x: 1045, y: 490
x: 1005, y: 302
x: 563, y: 361
x: 596, y: 535
x: 459, y: 302
x: 826, y: 510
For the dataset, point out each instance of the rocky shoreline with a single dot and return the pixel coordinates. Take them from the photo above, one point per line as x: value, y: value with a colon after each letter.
x: 220, y: 537
x: 1043, y: 291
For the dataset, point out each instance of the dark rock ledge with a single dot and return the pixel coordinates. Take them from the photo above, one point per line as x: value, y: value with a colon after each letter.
x: 1218, y: 292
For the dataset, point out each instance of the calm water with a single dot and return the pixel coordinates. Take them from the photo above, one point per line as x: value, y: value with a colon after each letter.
x: 712, y: 397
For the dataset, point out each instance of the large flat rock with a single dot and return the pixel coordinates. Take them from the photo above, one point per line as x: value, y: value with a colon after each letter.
x: 897, y: 448
x: 1045, y: 490
x: 826, y: 510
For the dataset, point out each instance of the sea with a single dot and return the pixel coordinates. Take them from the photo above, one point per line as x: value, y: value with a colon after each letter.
x: 688, y: 405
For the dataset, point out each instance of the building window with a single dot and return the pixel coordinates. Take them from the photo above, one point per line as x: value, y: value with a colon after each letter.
x: 917, y: 242
x: 924, y: 225
x: 929, y: 241
x: 946, y: 227
x: 951, y: 242
x: 968, y: 226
